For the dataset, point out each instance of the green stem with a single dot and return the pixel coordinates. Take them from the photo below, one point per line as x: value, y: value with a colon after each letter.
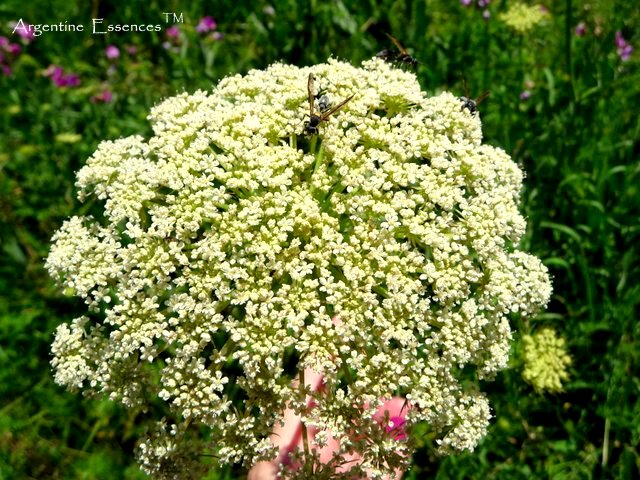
x: 605, y: 443
x: 319, y: 158
x: 305, y: 440
x: 312, y: 144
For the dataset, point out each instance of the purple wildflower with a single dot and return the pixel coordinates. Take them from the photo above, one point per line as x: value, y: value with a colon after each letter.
x: 53, y: 71
x: 105, y: 97
x: 23, y: 30
x: 483, y: 3
x: 58, y: 77
x: 525, y: 95
x: 112, y: 52
x: 624, y: 48
x: 13, y: 49
x: 466, y: 3
x: 71, y: 80
x: 172, y: 32
x: 206, y: 24
x: 217, y: 35
x: 131, y: 49
x: 8, y: 47
x: 6, y: 70
x: 581, y: 29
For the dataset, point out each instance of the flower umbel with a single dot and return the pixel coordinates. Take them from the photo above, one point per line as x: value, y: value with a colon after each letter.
x: 229, y: 241
x: 545, y: 361
x: 522, y: 17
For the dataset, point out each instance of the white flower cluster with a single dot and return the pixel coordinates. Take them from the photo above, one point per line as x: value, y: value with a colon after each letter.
x: 230, y: 242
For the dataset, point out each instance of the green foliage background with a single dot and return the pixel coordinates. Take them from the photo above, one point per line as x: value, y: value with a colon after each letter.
x: 577, y: 137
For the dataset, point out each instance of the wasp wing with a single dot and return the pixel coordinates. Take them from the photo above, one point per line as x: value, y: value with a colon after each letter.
x: 310, y: 92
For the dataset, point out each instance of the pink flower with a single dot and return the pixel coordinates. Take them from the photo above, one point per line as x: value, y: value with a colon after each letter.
x: 581, y: 29
x: 58, y: 77
x: 13, y: 49
x: 112, y: 52
x: 104, y: 97
x: 206, y: 24
x: 71, y: 80
x: 289, y: 437
x: 23, y: 30
x: 525, y: 95
x: 10, y: 48
x: 623, y: 47
x: 172, y: 32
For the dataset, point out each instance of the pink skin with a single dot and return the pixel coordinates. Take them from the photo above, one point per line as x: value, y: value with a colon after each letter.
x: 288, y: 437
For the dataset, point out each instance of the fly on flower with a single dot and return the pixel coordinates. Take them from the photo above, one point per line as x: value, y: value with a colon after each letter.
x: 471, y: 104
x: 311, y: 125
x: 400, y: 57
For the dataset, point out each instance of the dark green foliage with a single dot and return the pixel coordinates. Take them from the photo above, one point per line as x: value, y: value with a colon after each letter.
x: 577, y: 138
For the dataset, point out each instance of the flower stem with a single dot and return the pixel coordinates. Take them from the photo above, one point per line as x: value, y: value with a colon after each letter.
x: 305, y: 439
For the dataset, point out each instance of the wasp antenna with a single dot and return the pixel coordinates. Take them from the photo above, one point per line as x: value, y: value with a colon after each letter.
x: 484, y: 95
x: 337, y: 107
x: 464, y: 86
x: 397, y: 44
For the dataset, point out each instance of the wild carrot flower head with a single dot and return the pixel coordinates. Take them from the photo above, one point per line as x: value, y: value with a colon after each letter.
x: 229, y: 241
x: 523, y: 18
x: 545, y: 361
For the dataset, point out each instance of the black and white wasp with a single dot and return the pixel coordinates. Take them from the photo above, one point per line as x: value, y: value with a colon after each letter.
x: 399, y: 57
x: 471, y: 104
x: 324, y: 107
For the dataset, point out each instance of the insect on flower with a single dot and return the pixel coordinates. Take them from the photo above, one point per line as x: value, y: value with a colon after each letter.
x: 401, y: 57
x: 311, y: 125
x: 471, y: 104
x: 323, y: 102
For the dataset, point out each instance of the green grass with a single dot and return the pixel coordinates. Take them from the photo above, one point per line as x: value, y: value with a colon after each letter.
x: 577, y: 138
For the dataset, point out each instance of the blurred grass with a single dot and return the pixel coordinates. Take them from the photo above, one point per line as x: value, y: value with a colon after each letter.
x: 576, y: 137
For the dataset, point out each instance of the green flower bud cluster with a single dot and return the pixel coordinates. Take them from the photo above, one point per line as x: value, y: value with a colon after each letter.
x: 545, y: 361
x: 522, y: 17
